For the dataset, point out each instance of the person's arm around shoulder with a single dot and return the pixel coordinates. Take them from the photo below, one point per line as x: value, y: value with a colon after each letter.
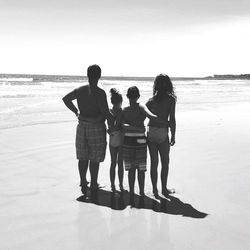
x: 147, y: 112
x: 67, y: 99
x: 172, y: 122
x: 152, y: 116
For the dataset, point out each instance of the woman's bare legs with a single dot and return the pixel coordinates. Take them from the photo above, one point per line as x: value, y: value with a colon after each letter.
x: 153, y: 151
x: 164, y: 154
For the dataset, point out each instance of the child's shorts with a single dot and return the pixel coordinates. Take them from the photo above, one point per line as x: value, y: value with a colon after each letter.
x: 135, y: 151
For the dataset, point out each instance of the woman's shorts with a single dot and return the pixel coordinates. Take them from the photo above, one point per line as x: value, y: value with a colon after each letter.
x: 135, y: 152
x: 157, y: 135
x: 91, y: 141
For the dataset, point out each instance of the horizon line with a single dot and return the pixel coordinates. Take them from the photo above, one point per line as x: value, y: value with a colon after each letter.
x: 104, y: 76
x: 128, y: 77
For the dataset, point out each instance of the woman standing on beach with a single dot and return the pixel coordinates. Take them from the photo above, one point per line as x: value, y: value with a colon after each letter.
x: 163, y: 105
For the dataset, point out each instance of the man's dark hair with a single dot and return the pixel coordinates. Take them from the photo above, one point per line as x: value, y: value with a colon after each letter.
x: 94, y: 72
x: 133, y: 93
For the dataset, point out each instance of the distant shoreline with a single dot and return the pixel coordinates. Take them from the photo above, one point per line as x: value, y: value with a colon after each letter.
x: 229, y: 77
x: 40, y: 77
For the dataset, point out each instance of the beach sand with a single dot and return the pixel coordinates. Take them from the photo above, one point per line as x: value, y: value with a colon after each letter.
x: 210, y: 170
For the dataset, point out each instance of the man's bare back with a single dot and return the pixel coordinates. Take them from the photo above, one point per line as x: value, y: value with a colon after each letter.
x: 92, y: 102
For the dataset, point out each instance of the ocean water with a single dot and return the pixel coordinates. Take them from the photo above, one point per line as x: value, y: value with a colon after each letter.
x: 27, y: 101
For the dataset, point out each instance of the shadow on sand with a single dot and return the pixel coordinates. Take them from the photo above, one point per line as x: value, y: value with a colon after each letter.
x: 119, y: 201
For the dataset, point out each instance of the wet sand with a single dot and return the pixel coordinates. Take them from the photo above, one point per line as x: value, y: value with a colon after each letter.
x: 41, y: 205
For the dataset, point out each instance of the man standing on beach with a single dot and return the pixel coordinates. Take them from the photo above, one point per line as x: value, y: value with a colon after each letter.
x: 91, y: 130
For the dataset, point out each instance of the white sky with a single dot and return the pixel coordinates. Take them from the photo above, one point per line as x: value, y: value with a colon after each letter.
x: 129, y: 38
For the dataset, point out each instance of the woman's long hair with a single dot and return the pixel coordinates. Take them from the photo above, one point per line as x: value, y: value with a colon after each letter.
x: 163, y: 87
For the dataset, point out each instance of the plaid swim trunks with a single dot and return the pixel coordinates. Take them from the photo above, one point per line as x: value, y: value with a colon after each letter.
x: 90, y: 141
x: 135, y: 151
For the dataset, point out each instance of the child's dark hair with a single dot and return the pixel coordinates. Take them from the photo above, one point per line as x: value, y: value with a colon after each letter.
x: 116, y: 97
x: 162, y: 87
x: 133, y: 93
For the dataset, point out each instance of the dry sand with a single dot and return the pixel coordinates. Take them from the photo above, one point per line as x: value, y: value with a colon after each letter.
x: 210, y: 169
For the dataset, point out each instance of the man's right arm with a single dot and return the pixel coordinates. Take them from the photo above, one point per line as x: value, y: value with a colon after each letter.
x: 68, y: 102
